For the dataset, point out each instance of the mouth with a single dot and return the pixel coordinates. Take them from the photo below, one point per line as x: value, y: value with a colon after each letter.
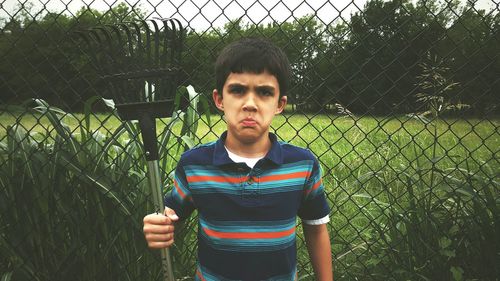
x: 249, y: 122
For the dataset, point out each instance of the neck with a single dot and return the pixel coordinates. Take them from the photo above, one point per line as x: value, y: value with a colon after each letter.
x: 253, y: 149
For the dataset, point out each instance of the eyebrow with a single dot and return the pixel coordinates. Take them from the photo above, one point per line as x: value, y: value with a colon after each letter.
x: 237, y: 85
x: 266, y: 87
x: 263, y: 87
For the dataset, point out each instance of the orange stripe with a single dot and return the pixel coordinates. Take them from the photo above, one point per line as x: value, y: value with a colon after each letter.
x: 179, y: 190
x: 214, y: 178
x: 198, y: 273
x: 304, y: 174
x: 248, y: 235
x: 314, y: 187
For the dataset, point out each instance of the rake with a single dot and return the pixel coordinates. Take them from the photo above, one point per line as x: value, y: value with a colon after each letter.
x: 140, y: 64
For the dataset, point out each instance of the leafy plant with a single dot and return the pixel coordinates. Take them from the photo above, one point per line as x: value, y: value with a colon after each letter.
x: 72, y: 202
x: 433, y: 218
x: 447, y: 232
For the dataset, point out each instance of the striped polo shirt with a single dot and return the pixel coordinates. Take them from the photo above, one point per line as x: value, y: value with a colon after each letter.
x: 247, y: 217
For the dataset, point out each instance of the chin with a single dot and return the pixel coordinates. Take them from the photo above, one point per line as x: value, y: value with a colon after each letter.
x: 249, y: 135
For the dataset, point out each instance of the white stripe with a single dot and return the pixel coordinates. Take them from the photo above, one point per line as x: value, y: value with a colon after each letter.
x: 320, y: 221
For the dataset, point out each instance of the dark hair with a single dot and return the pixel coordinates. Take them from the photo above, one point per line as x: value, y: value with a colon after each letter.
x: 254, y: 55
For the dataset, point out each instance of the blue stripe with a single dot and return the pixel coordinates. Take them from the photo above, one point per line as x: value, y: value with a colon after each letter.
x: 249, y: 244
x: 209, y: 276
x: 248, y: 226
x: 256, y: 246
x: 209, y: 170
x: 182, y: 187
x: 236, y: 189
x: 215, y: 187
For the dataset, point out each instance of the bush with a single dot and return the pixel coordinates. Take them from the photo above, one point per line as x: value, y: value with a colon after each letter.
x: 72, y: 202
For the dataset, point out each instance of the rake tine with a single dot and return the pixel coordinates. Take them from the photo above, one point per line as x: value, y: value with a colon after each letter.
x: 172, y: 40
x: 139, y: 51
x: 171, y: 43
x: 125, y: 85
x: 139, y: 48
x: 129, y: 39
x: 168, y: 33
x: 107, y: 44
x: 87, y: 40
x: 169, y: 40
x: 105, y: 57
x: 156, y: 58
x: 116, y: 30
x: 168, y: 52
x: 175, y: 44
x: 119, y: 52
x: 91, y: 42
x: 179, y: 42
x: 134, y: 63
x: 147, y: 50
x: 148, y: 40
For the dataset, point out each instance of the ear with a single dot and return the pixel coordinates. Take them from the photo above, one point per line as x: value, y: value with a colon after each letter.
x: 281, y: 104
x: 217, y: 99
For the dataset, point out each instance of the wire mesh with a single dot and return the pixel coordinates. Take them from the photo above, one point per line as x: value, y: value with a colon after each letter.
x: 395, y: 98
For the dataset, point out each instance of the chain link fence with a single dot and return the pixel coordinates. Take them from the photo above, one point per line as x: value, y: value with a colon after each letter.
x: 395, y: 98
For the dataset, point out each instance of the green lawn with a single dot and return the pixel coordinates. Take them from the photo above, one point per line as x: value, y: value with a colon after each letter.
x: 336, y: 140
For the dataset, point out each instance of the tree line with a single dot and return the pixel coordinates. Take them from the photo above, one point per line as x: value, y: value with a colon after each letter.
x: 370, y: 63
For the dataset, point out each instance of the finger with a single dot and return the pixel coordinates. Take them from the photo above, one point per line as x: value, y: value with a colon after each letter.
x: 152, y: 237
x: 156, y: 219
x: 160, y: 245
x: 158, y: 229
x: 170, y: 213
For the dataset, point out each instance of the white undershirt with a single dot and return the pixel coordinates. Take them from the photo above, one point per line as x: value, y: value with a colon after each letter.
x: 240, y: 159
x: 251, y: 163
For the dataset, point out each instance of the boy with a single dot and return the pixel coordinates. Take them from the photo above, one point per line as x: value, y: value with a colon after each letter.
x: 248, y: 188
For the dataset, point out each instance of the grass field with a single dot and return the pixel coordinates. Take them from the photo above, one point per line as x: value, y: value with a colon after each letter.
x: 337, y: 141
x: 400, y: 189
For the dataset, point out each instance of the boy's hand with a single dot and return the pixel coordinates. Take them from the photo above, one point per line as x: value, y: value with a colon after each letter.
x: 159, y: 229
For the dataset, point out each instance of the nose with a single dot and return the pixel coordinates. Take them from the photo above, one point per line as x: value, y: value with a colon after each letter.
x: 250, y: 102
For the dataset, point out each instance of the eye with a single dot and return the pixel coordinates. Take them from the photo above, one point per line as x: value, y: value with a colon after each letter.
x: 236, y: 89
x: 266, y: 92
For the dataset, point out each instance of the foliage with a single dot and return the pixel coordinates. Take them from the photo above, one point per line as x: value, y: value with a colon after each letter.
x: 383, y: 147
x: 72, y: 202
x: 48, y: 61
x: 446, y: 230
x: 367, y: 63
x: 435, y: 219
x: 435, y: 88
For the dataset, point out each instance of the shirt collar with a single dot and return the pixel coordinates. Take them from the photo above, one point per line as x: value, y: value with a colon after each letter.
x: 222, y: 158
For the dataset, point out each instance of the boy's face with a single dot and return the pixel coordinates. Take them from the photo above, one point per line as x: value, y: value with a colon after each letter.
x: 249, y: 102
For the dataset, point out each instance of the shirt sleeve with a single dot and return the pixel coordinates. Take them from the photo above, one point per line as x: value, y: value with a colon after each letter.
x: 179, y: 198
x: 314, y: 205
x: 320, y: 221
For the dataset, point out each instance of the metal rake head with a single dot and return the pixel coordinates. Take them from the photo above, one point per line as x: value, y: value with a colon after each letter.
x: 139, y: 62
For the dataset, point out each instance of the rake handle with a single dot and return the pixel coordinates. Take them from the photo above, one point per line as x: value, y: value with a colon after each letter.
x: 147, y: 123
x: 155, y: 184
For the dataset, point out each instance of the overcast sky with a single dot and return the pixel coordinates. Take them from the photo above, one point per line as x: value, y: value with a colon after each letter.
x: 205, y: 13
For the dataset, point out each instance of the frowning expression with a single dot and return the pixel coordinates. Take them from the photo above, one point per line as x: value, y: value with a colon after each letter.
x: 250, y: 101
